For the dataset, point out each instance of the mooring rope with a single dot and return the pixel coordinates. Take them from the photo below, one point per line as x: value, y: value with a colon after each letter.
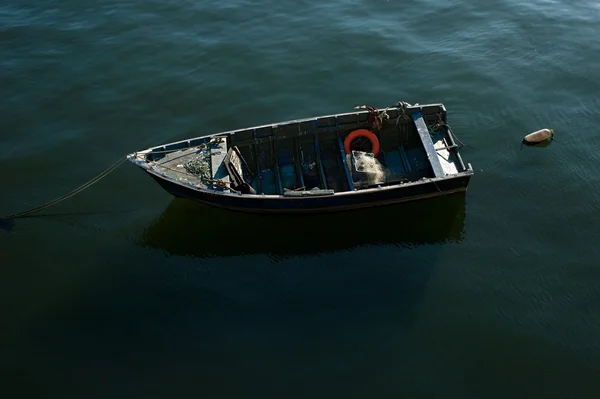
x: 68, y: 195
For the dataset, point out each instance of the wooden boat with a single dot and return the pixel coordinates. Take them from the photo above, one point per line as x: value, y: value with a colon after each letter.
x: 368, y: 157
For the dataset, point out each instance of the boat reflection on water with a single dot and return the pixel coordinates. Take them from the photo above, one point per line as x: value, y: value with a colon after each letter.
x: 191, y: 229
x: 379, y: 286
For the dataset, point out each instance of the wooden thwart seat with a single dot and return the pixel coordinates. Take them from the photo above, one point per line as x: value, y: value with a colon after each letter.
x: 218, y: 153
x: 235, y: 166
x: 432, y: 154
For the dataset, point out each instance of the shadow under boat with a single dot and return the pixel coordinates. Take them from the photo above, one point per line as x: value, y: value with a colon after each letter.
x: 263, y: 316
x: 192, y: 229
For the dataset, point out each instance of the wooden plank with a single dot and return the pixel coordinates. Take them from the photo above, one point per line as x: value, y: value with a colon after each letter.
x: 404, y: 158
x: 428, y: 145
x: 346, y: 170
x: 297, y: 130
x: 452, y: 142
x: 276, y: 168
x: 217, y: 167
x: 297, y: 162
x: 445, y: 154
x: 325, y: 121
x: 258, y: 178
x: 242, y: 135
x: 319, y: 162
x: 260, y: 132
x: 346, y: 119
x: 431, y: 109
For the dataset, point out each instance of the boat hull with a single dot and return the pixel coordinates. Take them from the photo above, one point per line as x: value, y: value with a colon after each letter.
x: 331, y: 203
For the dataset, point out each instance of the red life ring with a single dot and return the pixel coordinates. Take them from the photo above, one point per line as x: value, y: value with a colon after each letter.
x: 362, y: 133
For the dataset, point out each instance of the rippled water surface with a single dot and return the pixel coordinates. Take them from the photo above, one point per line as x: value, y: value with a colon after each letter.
x: 124, y: 291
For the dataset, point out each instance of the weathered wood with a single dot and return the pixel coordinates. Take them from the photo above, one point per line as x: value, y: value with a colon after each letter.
x: 242, y: 135
x: 258, y: 179
x: 393, y: 114
x: 264, y: 131
x: 285, y: 131
x: 325, y: 121
x: 346, y: 119
x: 444, y: 152
x: 345, y: 164
x: 404, y: 158
x: 320, y: 163
x: 289, y: 132
x: 426, y: 109
x: 428, y: 145
x: 318, y: 167
x: 437, y: 148
x: 453, y: 142
x: 217, y: 167
x: 276, y: 168
x: 297, y: 162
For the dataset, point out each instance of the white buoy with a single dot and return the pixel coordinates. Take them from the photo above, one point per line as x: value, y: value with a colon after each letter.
x: 538, y: 136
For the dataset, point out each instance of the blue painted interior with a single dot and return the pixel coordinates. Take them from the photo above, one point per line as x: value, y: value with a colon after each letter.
x: 268, y: 181
x: 404, y: 157
x: 344, y: 164
x: 394, y: 165
x: 323, y: 181
x: 287, y: 167
x: 310, y: 171
x: 278, y: 182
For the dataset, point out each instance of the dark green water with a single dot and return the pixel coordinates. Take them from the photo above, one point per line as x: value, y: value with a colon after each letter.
x: 123, y: 291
